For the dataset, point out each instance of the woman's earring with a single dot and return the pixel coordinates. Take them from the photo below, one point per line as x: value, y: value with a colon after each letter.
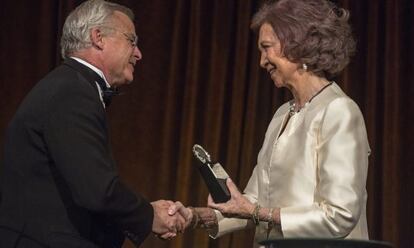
x: 304, y: 67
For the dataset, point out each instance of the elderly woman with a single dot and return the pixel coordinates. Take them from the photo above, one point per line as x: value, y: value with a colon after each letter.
x: 311, y: 171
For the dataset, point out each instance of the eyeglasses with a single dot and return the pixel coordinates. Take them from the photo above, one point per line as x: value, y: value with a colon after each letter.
x: 132, y: 38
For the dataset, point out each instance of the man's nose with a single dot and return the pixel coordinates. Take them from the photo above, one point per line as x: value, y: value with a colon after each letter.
x: 137, y: 53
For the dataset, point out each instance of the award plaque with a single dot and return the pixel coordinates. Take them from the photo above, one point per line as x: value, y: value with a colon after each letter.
x: 213, y: 174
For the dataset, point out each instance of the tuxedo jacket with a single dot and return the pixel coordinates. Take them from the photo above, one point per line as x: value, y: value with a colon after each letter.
x: 60, y: 185
x: 314, y: 169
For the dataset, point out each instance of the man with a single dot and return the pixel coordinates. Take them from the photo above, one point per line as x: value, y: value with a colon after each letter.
x: 60, y: 184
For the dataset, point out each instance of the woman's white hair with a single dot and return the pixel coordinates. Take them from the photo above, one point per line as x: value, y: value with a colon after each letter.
x: 88, y: 15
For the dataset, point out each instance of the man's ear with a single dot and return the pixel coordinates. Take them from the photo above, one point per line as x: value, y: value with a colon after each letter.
x: 97, y: 38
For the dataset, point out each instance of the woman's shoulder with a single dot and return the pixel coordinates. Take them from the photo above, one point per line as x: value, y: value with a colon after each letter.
x: 339, y: 109
x: 341, y: 101
x: 333, y: 98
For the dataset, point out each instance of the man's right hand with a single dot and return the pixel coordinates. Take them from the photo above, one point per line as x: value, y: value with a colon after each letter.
x: 186, y: 213
x: 165, y: 225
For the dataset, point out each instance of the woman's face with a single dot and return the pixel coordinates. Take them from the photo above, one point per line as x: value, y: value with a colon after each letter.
x: 281, y: 70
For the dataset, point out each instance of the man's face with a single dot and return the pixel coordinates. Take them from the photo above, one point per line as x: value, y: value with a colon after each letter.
x: 120, y: 53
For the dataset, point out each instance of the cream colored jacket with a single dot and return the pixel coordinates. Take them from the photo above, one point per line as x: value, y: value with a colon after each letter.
x: 315, y: 171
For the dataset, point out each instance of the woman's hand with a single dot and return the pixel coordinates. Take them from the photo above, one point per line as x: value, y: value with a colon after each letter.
x: 238, y: 205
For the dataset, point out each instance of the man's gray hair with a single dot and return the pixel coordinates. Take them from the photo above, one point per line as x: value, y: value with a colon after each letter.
x: 88, y: 15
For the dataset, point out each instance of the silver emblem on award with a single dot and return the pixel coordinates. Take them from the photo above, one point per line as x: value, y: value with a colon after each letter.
x: 213, y: 174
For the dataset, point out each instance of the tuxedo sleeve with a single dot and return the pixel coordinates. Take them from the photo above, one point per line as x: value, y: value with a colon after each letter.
x: 77, y: 139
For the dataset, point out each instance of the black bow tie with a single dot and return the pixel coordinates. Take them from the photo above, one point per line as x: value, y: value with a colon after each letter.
x: 107, y: 93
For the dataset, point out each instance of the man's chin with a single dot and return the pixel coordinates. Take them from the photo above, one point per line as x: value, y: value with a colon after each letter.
x: 128, y: 81
x: 129, y: 78
x: 121, y: 82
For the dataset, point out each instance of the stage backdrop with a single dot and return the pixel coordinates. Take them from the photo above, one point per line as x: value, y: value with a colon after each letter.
x: 199, y: 82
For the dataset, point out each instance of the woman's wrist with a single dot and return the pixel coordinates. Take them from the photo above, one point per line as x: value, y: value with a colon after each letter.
x: 270, y: 215
x: 255, y: 215
x: 204, y: 218
x: 195, y: 219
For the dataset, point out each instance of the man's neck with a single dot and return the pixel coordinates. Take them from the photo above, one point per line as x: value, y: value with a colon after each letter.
x: 92, y: 66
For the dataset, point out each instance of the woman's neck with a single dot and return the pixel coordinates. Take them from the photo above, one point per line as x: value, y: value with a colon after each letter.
x: 306, y: 88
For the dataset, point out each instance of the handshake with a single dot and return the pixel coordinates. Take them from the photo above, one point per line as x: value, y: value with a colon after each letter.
x: 170, y: 218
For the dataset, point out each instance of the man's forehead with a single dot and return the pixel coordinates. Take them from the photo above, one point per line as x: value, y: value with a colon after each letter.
x: 122, y: 20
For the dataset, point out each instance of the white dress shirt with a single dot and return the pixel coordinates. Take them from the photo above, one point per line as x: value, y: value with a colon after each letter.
x: 100, y: 73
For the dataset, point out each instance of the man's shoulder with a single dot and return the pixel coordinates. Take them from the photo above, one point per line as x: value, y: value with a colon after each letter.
x: 62, y: 73
x: 64, y: 79
x: 62, y: 84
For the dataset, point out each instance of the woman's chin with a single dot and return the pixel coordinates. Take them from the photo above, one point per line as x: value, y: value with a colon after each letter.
x: 277, y: 83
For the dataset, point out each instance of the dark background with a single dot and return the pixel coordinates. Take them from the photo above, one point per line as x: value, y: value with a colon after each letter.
x: 199, y: 82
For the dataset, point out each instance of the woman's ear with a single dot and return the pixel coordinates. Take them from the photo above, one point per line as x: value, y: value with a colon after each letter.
x: 97, y: 38
x: 302, y: 68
